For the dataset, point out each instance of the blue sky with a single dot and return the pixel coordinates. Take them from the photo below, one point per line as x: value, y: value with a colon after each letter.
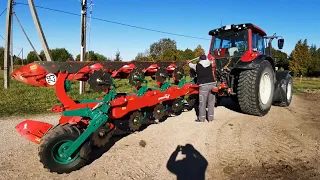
x: 292, y: 19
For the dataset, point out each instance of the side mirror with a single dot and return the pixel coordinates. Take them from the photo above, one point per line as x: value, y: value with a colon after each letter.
x: 280, y: 43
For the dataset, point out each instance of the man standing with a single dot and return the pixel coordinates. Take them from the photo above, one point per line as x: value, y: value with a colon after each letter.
x: 206, y: 83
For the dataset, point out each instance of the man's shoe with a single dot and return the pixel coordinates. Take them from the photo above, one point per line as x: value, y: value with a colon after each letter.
x: 198, y: 120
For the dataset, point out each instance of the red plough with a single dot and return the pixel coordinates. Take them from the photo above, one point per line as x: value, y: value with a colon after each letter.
x: 87, y: 123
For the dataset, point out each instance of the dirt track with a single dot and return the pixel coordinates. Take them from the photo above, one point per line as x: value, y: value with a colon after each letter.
x: 284, y: 144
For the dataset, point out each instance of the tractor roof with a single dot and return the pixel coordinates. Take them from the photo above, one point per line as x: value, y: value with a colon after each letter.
x: 237, y: 27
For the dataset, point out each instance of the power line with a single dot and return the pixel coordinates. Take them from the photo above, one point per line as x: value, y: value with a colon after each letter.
x: 114, y: 22
x: 3, y: 11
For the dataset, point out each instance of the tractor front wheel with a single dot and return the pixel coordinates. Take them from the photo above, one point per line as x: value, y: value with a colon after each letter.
x: 255, y: 89
x: 55, y: 142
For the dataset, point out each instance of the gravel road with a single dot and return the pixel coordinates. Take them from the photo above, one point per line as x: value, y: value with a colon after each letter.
x: 284, y: 144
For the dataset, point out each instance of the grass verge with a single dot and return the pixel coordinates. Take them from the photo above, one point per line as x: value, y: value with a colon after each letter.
x: 303, y: 85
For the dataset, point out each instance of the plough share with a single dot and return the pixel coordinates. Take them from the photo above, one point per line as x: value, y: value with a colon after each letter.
x: 91, y: 123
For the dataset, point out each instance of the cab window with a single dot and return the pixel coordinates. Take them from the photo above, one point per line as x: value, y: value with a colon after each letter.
x: 257, y: 43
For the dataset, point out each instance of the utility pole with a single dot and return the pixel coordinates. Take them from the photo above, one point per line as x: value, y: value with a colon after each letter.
x: 39, y: 29
x: 11, y: 41
x: 83, y: 38
x: 7, y: 44
x: 22, y: 56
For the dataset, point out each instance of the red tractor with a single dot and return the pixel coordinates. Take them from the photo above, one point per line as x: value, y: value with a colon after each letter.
x: 245, y: 71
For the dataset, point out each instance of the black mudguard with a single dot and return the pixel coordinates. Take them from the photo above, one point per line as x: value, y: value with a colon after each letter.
x: 253, y: 64
x: 280, y: 86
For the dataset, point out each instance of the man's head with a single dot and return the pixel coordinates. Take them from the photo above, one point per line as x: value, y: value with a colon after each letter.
x: 203, y: 57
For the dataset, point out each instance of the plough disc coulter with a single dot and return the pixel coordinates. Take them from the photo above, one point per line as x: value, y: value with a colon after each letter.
x: 87, y: 123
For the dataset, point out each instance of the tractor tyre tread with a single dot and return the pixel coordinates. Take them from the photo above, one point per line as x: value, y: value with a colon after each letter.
x: 48, y: 139
x: 248, y: 90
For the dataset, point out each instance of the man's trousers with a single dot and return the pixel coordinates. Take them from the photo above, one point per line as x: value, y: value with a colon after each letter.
x: 206, y: 100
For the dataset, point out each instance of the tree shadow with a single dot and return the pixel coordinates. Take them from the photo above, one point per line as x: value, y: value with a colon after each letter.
x: 193, y: 166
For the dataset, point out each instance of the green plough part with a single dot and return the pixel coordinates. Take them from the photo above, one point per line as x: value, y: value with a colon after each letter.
x: 182, y: 82
x: 143, y: 89
x: 98, y: 116
x: 89, y: 100
x: 67, y: 85
x: 165, y: 86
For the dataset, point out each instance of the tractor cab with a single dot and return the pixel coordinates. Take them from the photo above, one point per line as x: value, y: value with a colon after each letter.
x: 243, y: 42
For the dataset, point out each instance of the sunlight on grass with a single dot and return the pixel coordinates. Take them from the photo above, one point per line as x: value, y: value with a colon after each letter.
x: 306, y: 84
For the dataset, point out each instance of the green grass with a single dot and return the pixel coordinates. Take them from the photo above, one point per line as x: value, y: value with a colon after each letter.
x: 306, y: 84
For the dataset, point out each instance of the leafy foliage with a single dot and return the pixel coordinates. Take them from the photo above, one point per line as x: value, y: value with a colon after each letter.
x: 92, y: 56
x: 31, y: 57
x: 57, y: 54
x: 166, y: 50
x: 118, y: 57
x: 300, y: 59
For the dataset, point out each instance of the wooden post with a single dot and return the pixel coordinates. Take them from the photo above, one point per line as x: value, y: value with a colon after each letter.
x: 83, y: 38
x: 39, y: 29
x: 11, y: 42
x: 7, y: 45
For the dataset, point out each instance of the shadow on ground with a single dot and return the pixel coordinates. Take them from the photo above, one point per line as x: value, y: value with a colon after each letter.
x: 96, y: 153
x: 228, y: 103
x: 192, y: 166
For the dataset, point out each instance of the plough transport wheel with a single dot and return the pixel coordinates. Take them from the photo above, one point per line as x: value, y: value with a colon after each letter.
x: 57, y: 141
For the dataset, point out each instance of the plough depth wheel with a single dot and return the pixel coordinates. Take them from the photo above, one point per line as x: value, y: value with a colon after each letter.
x: 57, y: 141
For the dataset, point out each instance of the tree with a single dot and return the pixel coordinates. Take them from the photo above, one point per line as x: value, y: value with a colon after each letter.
x: 315, y: 61
x: 57, y: 54
x: 101, y: 57
x: 300, y: 58
x: 31, y: 57
x: 170, y: 55
x: 157, y: 49
x: 280, y: 57
x: 142, y: 57
x: 92, y: 56
x: 198, y: 51
x: 188, y: 54
x: 118, y: 57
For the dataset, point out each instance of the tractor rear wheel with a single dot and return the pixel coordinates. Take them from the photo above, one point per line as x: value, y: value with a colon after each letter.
x: 255, y: 89
x: 287, y: 90
x: 54, y: 143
